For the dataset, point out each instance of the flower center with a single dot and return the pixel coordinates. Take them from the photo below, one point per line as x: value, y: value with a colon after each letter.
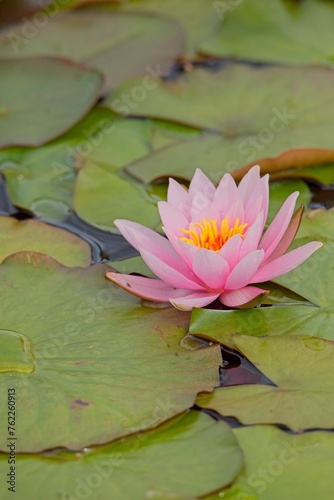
x: 207, y: 234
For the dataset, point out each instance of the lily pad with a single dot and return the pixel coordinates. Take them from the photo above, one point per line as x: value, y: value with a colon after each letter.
x: 42, y: 180
x: 36, y: 236
x: 30, y: 87
x: 103, y: 192
x: 281, y: 465
x: 186, y: 457
x: 102, y: 365
x: 278, y: 117
x: 117, y: 198
x: 302, y: 370
x: 197, y: 17
x: 274, y: 32
x: 132, y: 265
x: 103, y: 39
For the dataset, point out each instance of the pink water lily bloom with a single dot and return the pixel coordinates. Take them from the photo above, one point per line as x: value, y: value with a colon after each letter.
x: 216, y: 247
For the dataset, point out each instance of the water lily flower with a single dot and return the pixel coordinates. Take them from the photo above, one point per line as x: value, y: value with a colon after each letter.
x: 216, y: 246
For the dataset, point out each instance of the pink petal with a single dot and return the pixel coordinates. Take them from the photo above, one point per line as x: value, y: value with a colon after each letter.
x: 236, y: 211
x: 187, y: 302
x: 168, y: 273
x: 288, y: 236
x: 230, y: 251
x: 277, y: 228
x: 244, y: 271
x: 200, y: 183
x: 202, y: 208
x: 211, y: 269
x: 146, y: 288
x: 252, y: 236
x: 285, y: 263
x: 178, y: 196
x: 237, y: 298
x: 251, y: 188
x: 252, y: 210
x: 226, y: 195
x: 141, y: 237
x: 172, y: 218
x: 248, y: 182
x: 185, y: 250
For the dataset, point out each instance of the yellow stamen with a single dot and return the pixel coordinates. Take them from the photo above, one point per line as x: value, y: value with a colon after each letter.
x: 206, y: 234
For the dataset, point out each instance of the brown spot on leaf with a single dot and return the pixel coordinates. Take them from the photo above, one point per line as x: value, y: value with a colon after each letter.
x: 78, y: 403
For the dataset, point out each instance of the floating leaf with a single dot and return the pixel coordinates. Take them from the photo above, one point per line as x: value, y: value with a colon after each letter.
x: 197, y: 17
x: 36, y: 236
x: 302, y: 369
x: 30, y: 87
x: 279, y: 117
x: 186, y: 457
x: 42, y: 180
x: 132, y: 265
x: 285, y: 32
x: 281, y: 465
x: 104, y: 366
x: 104, y: 39
x: 117, y: 198
x: 103, y: 192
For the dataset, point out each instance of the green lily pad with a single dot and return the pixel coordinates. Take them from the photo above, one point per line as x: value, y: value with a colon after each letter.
x: 132, y: 265
x: 280, y: 117
x: 42, y: 180
x: 197, y: 17
x: 103, y: 192
x: 103, y: 39
x: 323, y: 173
x: 30, y: 87
x: 188, y: 456
x: 104, y: 365
x: 277, y: 31
x: 36, y: 236
x: 302, y: 369
x: 280, y: 465
x: 280, y: 190
x: 117, y: 198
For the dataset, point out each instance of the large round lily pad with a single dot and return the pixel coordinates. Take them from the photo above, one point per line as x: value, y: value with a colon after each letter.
x: 30, y: 90
x: 276, y: 31
x: 42, y: 180
x: 120, y: 45
x: 301, y: 369
x: 198, y: 18
x: 278, y: 117
x: 187, y: 457
x: 36, y: 236
x: 103, y: 192
x: 281, y: 465
x: 100, y: 365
